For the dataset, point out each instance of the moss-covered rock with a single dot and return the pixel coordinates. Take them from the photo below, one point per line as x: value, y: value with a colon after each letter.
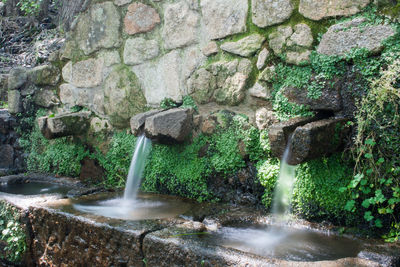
x: 123, y: 96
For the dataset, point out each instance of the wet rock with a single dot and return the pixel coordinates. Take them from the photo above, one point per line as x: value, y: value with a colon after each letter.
x: 123, y: 97
x: 17, y: 77
x: 329, y: 100
x: 265, y: 118
x: 46, y: 98
x: 223, y: 18
x: 210, y: 49
x: 14, y: 102
x: 245, y: 47
x: 139, y: 50
x: 85, y: 74
x: 64, y: 124
x: 341, y: 38
x: 180, y: 26
x: 317, y: 139
x: 140, y: 18
x: 44, y: 75
x: 173, y: 125
x: 320, y: 9
x: 6, y: 156
x: 5, y: 121
x: 271, y: 12
x: 137, y: 121
x: 279, y: 134
x: 262, y: 58
x: 98, y: 28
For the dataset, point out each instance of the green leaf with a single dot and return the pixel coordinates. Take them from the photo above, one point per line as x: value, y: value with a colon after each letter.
x: 368, y: 156
x: 366, y: 203
x: 350, y: 206
x: 342, y: 189
x: 380, y: 160
x: 378, y: 223
x: 368, y: 216
x: 370, y: 142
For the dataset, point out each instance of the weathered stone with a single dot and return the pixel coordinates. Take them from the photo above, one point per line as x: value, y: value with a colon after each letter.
x: 302, y: 36
x: 260, y: 90
x: 3, y: 87
x: 67, y: 94
x: 298, y: 58
x: 232, y: 93
x: 223, y: 18
x: 317, y: 139
x: 123, y: 96
x: 5, y: 121
x: 122, y: 2
x: 330, y: 99
x: 172, y: 70
x: 137, y: 121
x: 201, y: 86
x: 210, y: 49
x: 109, y: 58
x: 279, y: 133
x: 271, y: 12
x: 262, y: 58
x: 100, y: 125
x: 99, y: 28
x: 268, y: 74
x: 173, y: 125
x: 86, y: 73
x: 278, y: 39
x: 64, y: 124
x: 245, y: 47
x: 140, y: 18
x: 208, y: 126
x: 320, y: 9
x: 139, y: 50
x: 6, y: 156
x: 265, y: 118
x: 341, y: 38
x: 46, y: 98
x: 44, y: 75
x: 14, y: 102
x: 17, y: 77
x: 180, y: 25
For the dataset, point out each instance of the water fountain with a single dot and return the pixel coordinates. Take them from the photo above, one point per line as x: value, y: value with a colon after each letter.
x: 135, y: 206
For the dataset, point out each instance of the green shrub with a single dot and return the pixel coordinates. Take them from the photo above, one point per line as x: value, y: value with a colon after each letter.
x: 117, y: 160
x: 316, y: 193
x: 12, y: 232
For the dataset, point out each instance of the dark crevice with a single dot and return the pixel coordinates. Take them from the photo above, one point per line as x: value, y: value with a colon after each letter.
x: 141, y: 241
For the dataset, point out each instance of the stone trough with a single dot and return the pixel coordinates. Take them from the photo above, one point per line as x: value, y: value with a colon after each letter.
x: 59, y: 235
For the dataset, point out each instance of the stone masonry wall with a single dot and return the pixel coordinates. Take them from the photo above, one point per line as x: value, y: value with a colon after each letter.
x: 124, y: 56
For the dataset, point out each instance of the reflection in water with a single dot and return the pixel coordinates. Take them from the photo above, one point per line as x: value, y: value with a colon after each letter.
x: 288, y: 243
x: 34, y: 188
x: 144, y: 207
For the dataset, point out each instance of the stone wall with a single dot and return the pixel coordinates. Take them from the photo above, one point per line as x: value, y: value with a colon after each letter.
x: 122, y: 57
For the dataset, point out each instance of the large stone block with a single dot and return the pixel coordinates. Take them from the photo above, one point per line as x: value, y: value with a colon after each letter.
x: 320, y: 9
x: 17, y: 77
x: 140, y: 18
x: 173, y: 125
x: 271, y: 12
x: 137, y: 121
x: 223, y: 18
x: 44, y: 75
x: 341, y: 38
x: 139, y: 50
x: 64, y: 124
x: 46, y: 98
x: 6, y: 156
x: 14, y: 101
x: 180, y: 26
x: 279, y: 134
x: 98, y: 28
x: 86, y: 73
x: 317, y: 139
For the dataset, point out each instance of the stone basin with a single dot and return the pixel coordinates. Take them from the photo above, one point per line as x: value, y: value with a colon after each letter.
x: 188, y: 234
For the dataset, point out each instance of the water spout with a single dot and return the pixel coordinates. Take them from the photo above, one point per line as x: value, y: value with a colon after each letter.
x: 284, y: 187
x: 136, y: 169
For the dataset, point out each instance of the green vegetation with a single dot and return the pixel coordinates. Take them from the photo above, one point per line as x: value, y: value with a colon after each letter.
x: 12, y: 232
